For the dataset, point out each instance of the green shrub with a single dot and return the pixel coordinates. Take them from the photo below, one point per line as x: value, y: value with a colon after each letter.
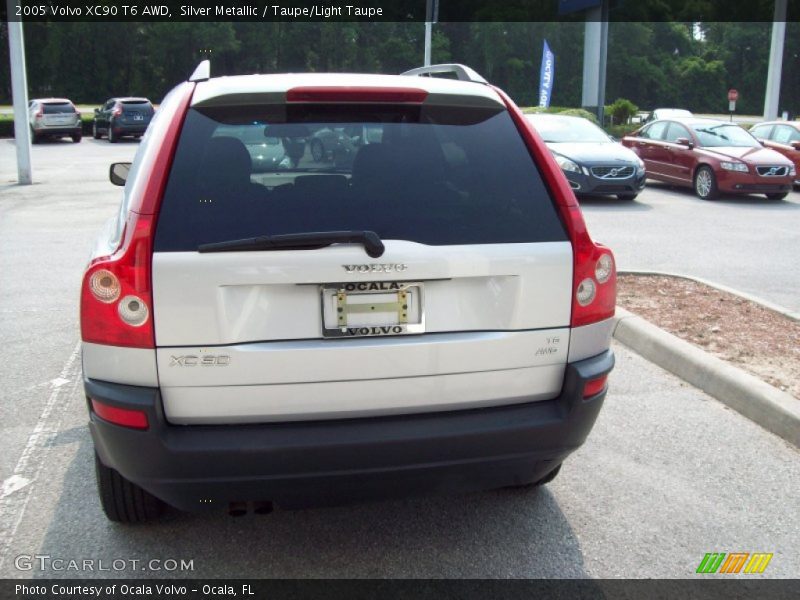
x: 622, y: 110
x: 562, y: 110
x: 620, y: 131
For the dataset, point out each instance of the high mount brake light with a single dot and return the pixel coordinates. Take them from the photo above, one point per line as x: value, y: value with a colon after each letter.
x: 594, y: 278
x: 356, y: 94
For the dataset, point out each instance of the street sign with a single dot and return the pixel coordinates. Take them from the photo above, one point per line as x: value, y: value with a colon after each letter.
x: 733, y: 95
x: 732, y: 106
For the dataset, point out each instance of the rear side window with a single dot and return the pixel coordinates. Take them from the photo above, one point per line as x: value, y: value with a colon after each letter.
x: 60, y: 108
x: 432, y: 175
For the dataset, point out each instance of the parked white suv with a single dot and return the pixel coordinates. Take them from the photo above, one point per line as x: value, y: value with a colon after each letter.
x: 432, y: 317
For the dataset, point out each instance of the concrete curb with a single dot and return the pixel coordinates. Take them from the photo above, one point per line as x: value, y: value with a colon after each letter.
x: 769, y: 407
x: 723, y: 288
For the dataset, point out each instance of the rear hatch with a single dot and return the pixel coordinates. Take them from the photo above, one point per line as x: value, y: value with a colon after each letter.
x: 58, y: 114
x: 136, y: 112
x: 468, y: 305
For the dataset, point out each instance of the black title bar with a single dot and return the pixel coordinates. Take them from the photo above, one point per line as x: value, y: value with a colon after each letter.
x: 391, y: 10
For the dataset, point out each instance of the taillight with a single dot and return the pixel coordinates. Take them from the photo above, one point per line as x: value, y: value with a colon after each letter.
x: 356, y: 94
x: 116, y: 297
x: 135, y: 419
x: 117, y: 111
x: 594, y: 279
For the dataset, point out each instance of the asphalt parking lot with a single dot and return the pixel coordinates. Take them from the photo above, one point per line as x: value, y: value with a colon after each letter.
x: 667, y: 475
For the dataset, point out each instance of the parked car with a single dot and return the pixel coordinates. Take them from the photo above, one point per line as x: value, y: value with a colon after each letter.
x: 783, y: 137
x: 435, y: 318
x: 668, y: 113
x: 121, y: 117
x: 594, y: 163
x: 53, y: 117
x: 340, y: 144
x: 267, y: 154
x: 711, y: 156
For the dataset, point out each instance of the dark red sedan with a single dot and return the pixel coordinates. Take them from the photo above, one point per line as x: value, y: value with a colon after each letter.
x: 783, y: 137
x: 711, y: 156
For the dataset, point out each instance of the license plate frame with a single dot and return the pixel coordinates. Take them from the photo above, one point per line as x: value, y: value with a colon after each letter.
x: 400, y: 302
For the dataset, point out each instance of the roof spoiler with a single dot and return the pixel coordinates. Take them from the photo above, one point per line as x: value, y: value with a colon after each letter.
x: 202, y: 72
x: 462, y: 72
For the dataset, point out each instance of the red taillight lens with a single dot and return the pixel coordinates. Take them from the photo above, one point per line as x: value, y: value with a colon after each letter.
x: 116, y: 112
x: 135, y: 419
x: 594, y: 283
x: 594, y: 386
x: 116, y: 297
x: 356, y: 94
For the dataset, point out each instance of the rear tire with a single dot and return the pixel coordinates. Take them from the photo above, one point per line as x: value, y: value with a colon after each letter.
x: 35, y: 139
x: 627, y: 197
x: 705, y: 183
x: 95, y: 133
x: 112, y: 138
x: 123, y: 501
x: 779, y: 196
x: 76, y: 138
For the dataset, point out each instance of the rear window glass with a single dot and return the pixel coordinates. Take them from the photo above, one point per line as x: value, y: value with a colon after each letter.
x: 55, y: 109
x: 432, y: 175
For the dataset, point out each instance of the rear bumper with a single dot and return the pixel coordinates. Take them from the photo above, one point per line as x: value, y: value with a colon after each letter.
x: 57, y: 130
x: 129, y: 128
x: 329, y: 462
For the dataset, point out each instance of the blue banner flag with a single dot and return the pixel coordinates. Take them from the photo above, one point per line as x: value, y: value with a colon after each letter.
x: 546, y: 76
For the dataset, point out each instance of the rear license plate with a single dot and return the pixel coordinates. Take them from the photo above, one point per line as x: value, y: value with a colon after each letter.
x: 138, y: 118
x: 376, y: 308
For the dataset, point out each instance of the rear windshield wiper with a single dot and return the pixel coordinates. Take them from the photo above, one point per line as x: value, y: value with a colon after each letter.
x: 370, y: 240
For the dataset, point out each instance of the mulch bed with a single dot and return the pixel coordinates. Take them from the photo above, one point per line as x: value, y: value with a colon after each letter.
x: 748, y: 335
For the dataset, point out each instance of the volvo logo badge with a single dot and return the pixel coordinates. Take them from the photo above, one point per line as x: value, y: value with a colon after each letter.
x: 376, y: 268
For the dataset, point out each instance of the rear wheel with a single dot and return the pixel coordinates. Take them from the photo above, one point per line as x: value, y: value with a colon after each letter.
x: 123, y: 501
x: 705, y: 183
x: 779, y: 196
x: 112, y: 138
x: 95, y: 133
x: 76, y: 137
x: 35, y: 139
x: 627, y: 197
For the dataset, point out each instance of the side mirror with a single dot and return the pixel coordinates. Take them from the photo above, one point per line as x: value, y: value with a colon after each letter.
x: 796, y: 144
x: 97, y: 111
x: 118, y: 172
x: 685, y: 142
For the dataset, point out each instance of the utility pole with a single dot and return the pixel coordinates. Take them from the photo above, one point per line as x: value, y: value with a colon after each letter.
x: 431, y: 16
x: 595, y: 53
x: 19, y: 93
x: 772, y: 97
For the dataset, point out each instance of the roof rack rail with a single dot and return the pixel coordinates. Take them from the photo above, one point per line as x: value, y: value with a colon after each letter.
x: 202, y: 72
x: 463, y: 72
